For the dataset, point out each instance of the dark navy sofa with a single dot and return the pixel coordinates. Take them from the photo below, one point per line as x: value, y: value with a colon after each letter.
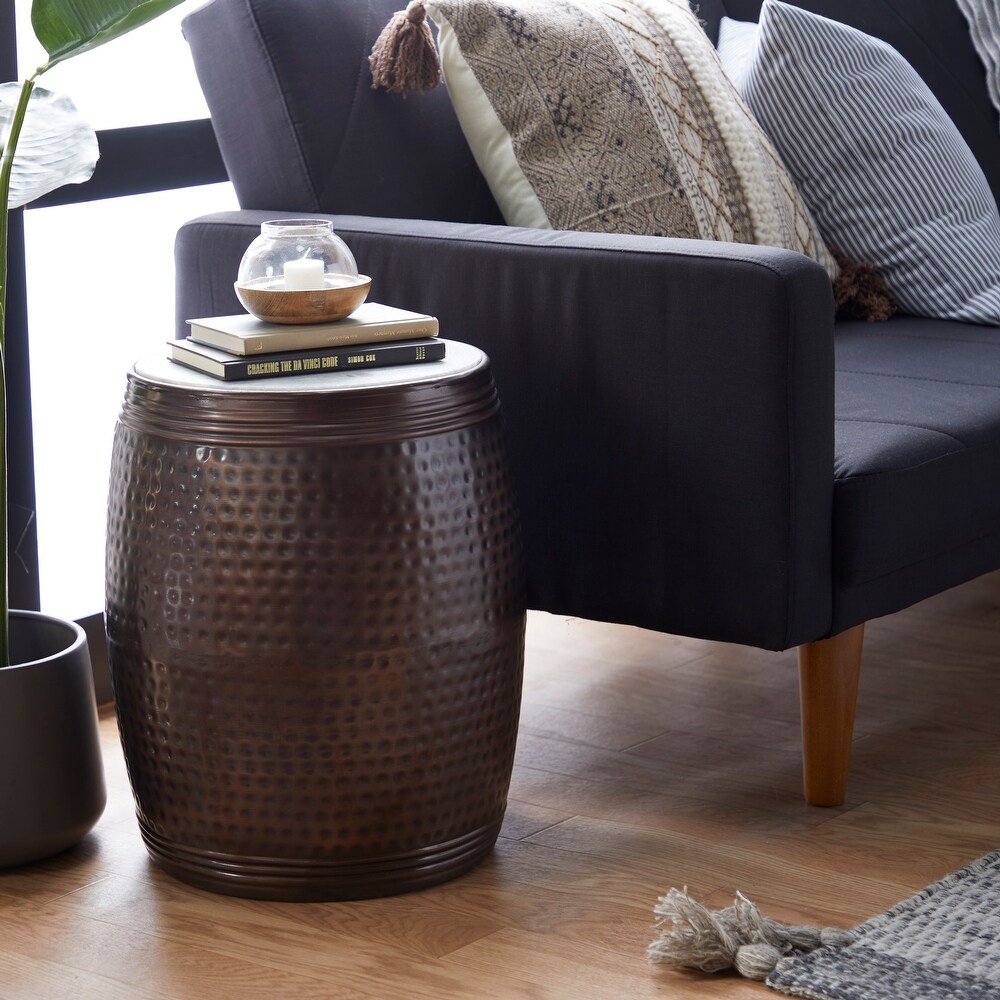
x: 699, y: 448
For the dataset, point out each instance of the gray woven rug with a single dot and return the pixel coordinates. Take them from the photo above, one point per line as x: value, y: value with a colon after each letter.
x: 941, y: 944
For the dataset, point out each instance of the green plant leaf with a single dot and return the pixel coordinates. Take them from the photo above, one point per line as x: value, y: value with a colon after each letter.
x: 68, y: 27
x: 56, y: 146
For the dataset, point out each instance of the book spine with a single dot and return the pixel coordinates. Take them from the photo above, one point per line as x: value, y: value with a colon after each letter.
x: 313, y: 362
x: 266, y: 345
x: 293, y: 340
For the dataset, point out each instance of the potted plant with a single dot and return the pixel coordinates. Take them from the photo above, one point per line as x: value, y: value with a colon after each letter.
x: 51, y: 776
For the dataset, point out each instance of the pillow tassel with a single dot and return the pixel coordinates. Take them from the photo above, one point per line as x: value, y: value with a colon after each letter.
x: 860, y: 292
x: 404, y: 57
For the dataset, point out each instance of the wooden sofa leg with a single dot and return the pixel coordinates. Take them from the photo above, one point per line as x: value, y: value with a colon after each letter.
x: 828, y: 690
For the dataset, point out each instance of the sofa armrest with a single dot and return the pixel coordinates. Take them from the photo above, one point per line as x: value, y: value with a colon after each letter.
x: 669, y: 405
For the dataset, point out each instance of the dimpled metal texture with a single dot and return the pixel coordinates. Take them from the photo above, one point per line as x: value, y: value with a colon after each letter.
x: 315, y: 615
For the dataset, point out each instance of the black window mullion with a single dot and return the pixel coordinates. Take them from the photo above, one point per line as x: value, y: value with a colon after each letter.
x: 147, y: 158
x: 21, y: 525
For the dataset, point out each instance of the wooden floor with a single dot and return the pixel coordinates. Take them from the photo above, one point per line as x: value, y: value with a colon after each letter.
x: 645, y: 761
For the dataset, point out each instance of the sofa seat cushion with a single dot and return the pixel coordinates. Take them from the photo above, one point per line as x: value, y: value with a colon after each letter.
x: 917, y: 453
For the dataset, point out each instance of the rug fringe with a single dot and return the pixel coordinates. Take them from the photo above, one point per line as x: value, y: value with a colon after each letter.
x: 739, y: 937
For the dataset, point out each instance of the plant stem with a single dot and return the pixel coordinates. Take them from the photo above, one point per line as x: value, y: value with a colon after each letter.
x: 6, y: 163
x: 7, y: 149
x: 4, y: 574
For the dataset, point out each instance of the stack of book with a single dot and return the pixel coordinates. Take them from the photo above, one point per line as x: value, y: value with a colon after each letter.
x: 243, y: 347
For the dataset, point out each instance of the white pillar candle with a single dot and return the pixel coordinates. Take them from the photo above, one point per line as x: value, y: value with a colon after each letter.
x: 304, y: 274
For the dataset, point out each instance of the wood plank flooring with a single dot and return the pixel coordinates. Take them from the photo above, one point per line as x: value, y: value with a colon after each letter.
x: 644, y: 761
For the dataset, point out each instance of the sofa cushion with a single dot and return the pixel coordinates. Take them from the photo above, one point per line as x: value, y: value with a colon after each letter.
x: 917, y: 453
x: 314, y: 136
x: 614, y: 117
x: 883, y: 168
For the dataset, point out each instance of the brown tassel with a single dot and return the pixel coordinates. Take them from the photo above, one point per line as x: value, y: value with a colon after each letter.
x: 860, y: 292
x: 404, y: 57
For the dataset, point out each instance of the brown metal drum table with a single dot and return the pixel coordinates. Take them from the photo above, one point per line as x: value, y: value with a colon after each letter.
x: 315, y: 614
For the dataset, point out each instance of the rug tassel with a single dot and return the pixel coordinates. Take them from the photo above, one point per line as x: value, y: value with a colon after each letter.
x: 404, y: 57
x: 739, y: 937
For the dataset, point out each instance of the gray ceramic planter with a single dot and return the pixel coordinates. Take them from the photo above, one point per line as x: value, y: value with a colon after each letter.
x: 51, y: 775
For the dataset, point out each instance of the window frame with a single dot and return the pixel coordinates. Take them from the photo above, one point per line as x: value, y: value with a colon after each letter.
x: 140, y: 159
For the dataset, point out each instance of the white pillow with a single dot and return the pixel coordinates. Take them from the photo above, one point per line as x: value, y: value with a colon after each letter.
x: 984, y: 27
x: 614, y: 116
x: 886, y: 173
x: 736, y: 44
x: 489, y: 141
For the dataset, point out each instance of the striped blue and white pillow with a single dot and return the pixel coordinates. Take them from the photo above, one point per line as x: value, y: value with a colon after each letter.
x: 884, y: 170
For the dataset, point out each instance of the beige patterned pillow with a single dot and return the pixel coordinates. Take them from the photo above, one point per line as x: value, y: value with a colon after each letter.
x: 614, y: 116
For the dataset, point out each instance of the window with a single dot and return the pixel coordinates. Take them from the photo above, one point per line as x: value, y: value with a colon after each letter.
x: 88, y: 322
x: 145, y: 77
x: 98, y: 265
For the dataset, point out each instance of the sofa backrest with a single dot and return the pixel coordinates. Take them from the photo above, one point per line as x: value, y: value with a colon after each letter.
x: 300, y: 129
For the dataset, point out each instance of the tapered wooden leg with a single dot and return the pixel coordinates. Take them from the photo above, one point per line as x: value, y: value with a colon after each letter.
x: 828, y: 690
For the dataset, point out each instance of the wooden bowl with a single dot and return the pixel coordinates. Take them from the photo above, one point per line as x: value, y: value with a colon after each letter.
x: 270, y: 301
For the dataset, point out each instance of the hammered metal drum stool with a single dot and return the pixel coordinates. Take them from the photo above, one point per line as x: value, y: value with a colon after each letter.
x: 315, y: 614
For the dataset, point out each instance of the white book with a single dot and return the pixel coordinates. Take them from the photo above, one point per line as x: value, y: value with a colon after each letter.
x: 369, y: 323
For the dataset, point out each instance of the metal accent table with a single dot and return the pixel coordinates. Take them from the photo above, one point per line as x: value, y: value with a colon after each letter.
x: 315, y: 617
